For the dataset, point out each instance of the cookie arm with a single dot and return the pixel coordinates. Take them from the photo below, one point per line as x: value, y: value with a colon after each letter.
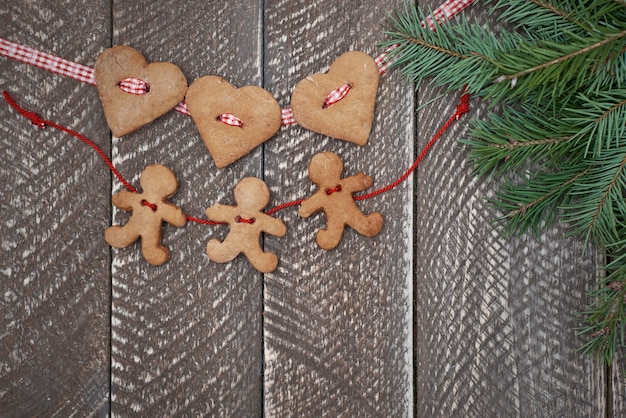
x: 173, y: 214
x: 274, y: 226
x: 357, y: 183
x: 125, y: 199
x: 311, y: 205
x: 221, y: 213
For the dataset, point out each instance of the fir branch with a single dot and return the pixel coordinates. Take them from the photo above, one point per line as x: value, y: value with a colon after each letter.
x: 561, y: 59
x: 560, y: 134
x: 505, y: 143
x: 540, y: 17
x: 605, y: 316
x: 600, y: 118
x: 595, y: 210
x: 513, y: 144
x: 606, y: 197
x: 423, y: 53
x: 534, y: 204
x: 555, y: 67
x: 421, y: 42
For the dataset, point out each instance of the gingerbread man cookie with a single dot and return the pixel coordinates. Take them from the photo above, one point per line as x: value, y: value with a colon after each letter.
x: 150, y: 209
x: 334, y: 197
x: 247, y: 221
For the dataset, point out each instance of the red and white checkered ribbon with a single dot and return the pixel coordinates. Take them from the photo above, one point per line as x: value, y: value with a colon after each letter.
x: 46, y: 61
x: 446, y: 11
x: 80, y: 72
x: 337, y: 95
x: 133, y: 85
x: 229, y: 119
x: 287, y: 117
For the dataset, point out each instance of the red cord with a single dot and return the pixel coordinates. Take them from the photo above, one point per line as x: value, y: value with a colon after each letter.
x: 36, y: 120
x: 461, y: 109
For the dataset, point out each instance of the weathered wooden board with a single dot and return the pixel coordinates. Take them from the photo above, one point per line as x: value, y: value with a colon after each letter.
x: 494, y: 315
x: 54, y: 264
x: 337, y: 327
x: 186, y: 336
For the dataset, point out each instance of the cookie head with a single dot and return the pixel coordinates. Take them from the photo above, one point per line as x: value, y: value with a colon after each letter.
x: 252, y: 193
x: 158, y: 179
x: 325, y: 167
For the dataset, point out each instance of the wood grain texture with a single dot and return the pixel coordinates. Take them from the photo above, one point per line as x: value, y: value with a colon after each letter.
x: 616, y: 399
x: 495, y: 316
x: 54, y: 264
x: 187, y: 335
x: 337, y: 324
x: 329, y: 333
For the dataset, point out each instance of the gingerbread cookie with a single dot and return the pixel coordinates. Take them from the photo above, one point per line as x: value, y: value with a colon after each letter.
x: 247, y: 221
x: 334, y: 197
x: 150, y: 209
x: 350, y: 118
x: 232, y: 121
x: 126, y: 112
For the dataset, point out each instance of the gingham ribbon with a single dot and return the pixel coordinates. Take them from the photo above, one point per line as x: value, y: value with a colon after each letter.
x: 134, y: 86
x: 337, y: 94
x: 46, y: 61
x: 382, y: 61
x: 287, y: 117
x: 229, y: 119
x: 80, y: 72
x: 446, y: 11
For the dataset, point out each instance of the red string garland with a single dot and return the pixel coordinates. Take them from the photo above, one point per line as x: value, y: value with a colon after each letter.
x: 461, y: 109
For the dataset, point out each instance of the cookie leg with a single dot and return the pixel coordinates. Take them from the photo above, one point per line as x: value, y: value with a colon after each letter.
x: 221, y: 252
x: 369, y: 225
x: 265, y: 262
x: 153, y: 251
x: 120, y: 236
x: 329, y: 238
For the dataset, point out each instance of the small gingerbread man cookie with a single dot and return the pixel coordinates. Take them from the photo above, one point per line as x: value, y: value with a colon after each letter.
x: 334, y: 197
x: 247, y: 221
x: 150, y: 209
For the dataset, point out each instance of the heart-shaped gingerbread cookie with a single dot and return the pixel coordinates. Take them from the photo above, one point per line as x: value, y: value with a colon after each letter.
x: 254, y: 114
x: 351, y: 117
x: 126, y: 112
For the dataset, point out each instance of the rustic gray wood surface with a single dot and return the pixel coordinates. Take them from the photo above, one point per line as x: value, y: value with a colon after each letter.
x: 54, y: 265
x: 438, y: 315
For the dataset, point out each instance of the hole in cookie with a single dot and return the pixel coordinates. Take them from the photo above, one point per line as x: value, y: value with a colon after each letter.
x: 250, y: 221
x: 229, y: 119
x: 335, y: 189
x: 134, y: 86
x: 337, y: 95
x: 150, y: 205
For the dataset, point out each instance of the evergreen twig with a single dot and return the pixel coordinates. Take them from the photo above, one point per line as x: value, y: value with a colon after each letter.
x: 560, y: 77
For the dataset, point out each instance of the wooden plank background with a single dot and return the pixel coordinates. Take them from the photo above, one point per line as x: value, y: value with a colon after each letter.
x: 439, y: 315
